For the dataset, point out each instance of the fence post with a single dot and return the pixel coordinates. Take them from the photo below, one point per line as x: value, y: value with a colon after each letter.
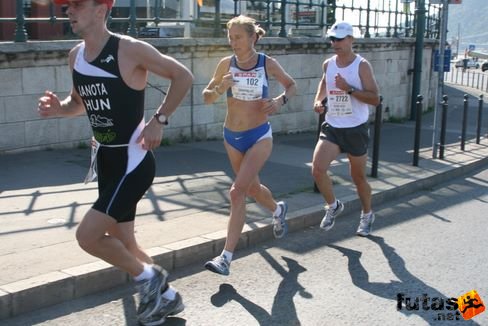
x: 282, y: 32
x: 217, y: 19
x: 418, y: 123
x: 478, y: 123
x: 378, y: 120
x: 465, y: 121
x: 368, y: 10
x: 323, y: 15
x: 20, y: 32
x: 442, y: 143
x: 132, y: 19
x: 268, y: 18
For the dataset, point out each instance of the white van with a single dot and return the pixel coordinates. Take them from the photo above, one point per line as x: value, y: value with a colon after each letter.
x: 470, y: 63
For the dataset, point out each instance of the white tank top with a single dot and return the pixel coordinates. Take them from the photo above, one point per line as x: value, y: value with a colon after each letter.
x: 344, y: 110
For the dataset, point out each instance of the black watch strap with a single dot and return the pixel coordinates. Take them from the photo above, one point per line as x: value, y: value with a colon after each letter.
x: 285, y: 99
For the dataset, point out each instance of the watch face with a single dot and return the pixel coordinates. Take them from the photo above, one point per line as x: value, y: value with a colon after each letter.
x: 162, y: 118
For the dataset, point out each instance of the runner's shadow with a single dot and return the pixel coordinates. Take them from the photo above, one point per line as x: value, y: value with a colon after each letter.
x: 228, y: 293
x: 283, y: 311
x: 409, y: 287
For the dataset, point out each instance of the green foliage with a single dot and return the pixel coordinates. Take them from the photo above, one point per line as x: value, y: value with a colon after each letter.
x: 396, y: 120
x: 82, y: 145
x: 165, y: 142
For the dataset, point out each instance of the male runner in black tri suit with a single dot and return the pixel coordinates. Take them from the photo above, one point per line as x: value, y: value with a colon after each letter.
x: 109, y: 77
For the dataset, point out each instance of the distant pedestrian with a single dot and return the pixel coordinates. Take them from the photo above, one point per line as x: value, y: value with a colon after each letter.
x: 349, y: 85
x: 109, y: 74
x: 248, y: 138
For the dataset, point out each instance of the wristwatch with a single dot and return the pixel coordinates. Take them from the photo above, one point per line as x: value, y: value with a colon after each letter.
x: 352, y: 89
x: 285, y: 99
x: 161, y: 118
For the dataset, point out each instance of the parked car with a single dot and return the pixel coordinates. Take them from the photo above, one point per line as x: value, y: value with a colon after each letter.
x: 470, y: 64
x: 484, y: 66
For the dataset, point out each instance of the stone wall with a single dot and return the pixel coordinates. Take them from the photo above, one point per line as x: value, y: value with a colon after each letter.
x: 28, y: 69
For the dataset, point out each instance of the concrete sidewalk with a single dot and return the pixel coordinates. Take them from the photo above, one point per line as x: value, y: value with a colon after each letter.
x: 183, y: 217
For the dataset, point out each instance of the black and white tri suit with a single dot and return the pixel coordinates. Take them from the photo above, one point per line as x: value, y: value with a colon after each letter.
x: 116, y: 113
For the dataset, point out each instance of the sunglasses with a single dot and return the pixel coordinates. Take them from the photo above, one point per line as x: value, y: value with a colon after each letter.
x: 335, y: 39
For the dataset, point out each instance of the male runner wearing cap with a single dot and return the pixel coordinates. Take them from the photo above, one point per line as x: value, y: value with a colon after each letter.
x: 349, y: 85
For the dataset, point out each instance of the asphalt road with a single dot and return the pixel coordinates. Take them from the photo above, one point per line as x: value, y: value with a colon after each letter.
x: 430, y: 246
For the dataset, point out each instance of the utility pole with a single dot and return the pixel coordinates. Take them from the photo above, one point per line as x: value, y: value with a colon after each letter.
x: 458, y: 40
x: 440, y: 82
x: 419, y: 48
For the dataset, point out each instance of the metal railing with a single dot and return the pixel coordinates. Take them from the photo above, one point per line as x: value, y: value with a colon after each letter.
x: 472, y: 78
x: 384, y: 18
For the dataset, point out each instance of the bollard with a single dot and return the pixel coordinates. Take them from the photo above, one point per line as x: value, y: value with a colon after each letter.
x: 321, y: 120
x: 376, y: 140
x: 282, y: 32
x: 418, y: 124
x: 442, y: 143
x: 465, y: 122
x: 478, y: 123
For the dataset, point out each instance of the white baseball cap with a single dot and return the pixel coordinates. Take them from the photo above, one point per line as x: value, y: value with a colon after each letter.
x: 340, y: 30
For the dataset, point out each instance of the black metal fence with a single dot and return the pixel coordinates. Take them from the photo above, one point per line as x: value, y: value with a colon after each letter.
x: 174, y: 18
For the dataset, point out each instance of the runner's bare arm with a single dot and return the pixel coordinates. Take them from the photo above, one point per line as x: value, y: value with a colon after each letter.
x: 321, y: 93
x: 276, y: 71
x: 220, y: 82
x: 49, y: 105
x: 370, y: 92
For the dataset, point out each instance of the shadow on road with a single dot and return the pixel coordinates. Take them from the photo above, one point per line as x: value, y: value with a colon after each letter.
x: 283, y: 311
x: 430, y: 304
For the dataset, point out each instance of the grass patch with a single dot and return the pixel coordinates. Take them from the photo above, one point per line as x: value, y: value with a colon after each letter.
x: 396, y: 120
x: 165, y: 142
x: 82, y: 145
